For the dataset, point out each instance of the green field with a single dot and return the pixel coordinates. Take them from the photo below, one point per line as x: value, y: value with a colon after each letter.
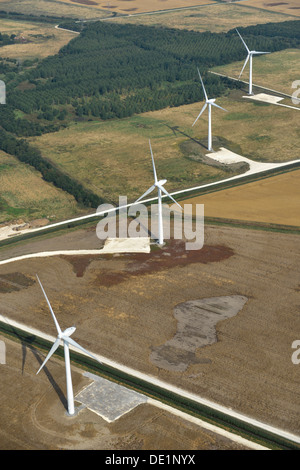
x: 276, y: 71
x: 112, y: 158
x: 24, y: 194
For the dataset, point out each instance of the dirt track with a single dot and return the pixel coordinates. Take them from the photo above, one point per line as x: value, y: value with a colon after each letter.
x: 124, y: 310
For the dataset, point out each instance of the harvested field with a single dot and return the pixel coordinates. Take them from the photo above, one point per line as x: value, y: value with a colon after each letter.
x: 274, y: 200
x: 248, y: 368
x: 229, y: 16
x: 288, y: 7
x: 51, y: 8
x: 38, y: 421
x: 135, y: 6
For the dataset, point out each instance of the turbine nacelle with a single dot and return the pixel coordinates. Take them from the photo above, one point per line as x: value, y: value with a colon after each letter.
x: 160, y: 183
x: 250, y: 54
x: 68, y: 331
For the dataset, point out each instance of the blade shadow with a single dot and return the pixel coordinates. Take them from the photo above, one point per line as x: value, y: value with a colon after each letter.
x: 27, y: 344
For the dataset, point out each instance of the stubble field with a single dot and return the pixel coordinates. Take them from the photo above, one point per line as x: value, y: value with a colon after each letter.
x: 230, y: 15
x: 116, y: 302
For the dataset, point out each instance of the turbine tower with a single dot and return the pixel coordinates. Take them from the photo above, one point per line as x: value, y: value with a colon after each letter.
x: 209, y: 103
x: 65, y: 337
x: 249, y: 57
x: 160, y: 189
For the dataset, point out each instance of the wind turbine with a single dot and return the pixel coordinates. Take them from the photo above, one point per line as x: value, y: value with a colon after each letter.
x: 249, y: 56
x: 209, y: 103
x: 160, y: 189
x: 65, y: 337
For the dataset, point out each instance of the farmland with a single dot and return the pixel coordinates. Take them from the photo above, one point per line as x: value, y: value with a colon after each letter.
x: 218, y: 322
x: 24, y: 194
x: 287, y: 7
x: 135, y: 6
x: 277, y: 71
x: 103, y: 158
x: 204, y: 19
x: 274, y: 200
x: 37, y: 44
x: 117, y: 302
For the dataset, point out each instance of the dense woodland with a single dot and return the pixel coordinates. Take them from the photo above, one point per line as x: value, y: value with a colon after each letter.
x: 114, y: 71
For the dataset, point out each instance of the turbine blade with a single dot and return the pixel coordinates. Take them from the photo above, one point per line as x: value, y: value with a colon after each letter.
x: 52, y: 350
x: 202, y: 85
x: 259, y: 52
x: 146, y: 193
x: 154, y: 170
x: 71, y: 341
x: 246, y: 61
x: 243, y: 41
x: 169, y: 195
x: 49, y: 305
x: 202, y: 110
x: 217, y: 106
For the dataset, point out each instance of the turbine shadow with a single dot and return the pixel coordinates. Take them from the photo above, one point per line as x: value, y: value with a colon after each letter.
x: 27, y: 344
x: 176, y: 129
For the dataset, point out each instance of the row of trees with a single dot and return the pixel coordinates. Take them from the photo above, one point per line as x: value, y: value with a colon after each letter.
x: 115, y: 71
x: 136, y: 62
x: 32, y: 156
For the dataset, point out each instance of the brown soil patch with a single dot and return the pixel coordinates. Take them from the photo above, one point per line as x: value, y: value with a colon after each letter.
x: 171, y: 256
x: 13, y: 282
x: 79, y: 263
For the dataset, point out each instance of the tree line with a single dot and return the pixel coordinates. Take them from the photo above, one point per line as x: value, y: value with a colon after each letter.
x: 30, y: 155
x: 114, y: 71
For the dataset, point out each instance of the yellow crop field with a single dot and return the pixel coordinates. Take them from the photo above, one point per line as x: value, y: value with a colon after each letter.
x: 291, y: 7
x: 274, y: 200
x: 230, y: 15
x: 137, y: 6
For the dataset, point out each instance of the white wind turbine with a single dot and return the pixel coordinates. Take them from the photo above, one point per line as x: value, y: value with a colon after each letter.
x: 65, y: 337
x: 159, y: 185
x: 249, y: 57
x: 209, y: 103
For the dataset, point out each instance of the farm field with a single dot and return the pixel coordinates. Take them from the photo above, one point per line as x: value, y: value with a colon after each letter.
x: 24, y: 194
x: 41, y: 423
x: 274, y: 200
x: 277, y: 71
x: 229, y: 16
x: 41, y: 39
x: 137, y: 6
x: 287, y: 7
x: 50, y: 8
x: 112, y: 158
x: 117, y: 302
